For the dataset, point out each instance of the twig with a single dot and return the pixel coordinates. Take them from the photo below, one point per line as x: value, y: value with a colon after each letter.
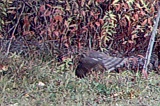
x: 8, y: 49
x: 151, y: 43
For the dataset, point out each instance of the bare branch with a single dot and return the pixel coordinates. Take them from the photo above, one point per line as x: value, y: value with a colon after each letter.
x: 151, y: 43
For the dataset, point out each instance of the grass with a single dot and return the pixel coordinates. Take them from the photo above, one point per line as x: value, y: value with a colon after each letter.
x: 33, y: 82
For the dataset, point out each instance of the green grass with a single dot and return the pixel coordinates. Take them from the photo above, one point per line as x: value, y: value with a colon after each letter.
x: 19, y: 86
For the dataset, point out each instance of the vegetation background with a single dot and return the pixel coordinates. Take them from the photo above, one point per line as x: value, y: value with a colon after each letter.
x: 40, y: 42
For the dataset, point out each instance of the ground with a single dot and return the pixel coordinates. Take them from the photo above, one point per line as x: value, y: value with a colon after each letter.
x: 35, y: 82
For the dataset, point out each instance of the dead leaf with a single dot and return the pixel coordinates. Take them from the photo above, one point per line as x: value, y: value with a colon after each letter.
x: 3, y: 68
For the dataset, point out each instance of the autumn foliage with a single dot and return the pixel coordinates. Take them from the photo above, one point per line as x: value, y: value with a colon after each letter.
x: 61, y: 27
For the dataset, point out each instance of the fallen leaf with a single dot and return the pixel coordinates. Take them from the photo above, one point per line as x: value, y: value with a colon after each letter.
x: 3, y: 68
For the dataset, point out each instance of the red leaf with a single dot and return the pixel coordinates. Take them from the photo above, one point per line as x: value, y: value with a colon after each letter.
x: 144, y: 22
x: 25, y: 33
x: 82, y: 3
x: 141, y: 56
x: 3, y: 67
x: 134, y: 36
x: 97, y: 23
x: 73, y: 25
x: 152, y: 9
x: 58, y: 18
x: 26, y: 23
x: 100, y: 1
x: 66, y: 44
x: 35, y: 20
x: 83, y: 13
x: 79, y: 45
x: 42, y: 32
x: 49, y: 5
x: 91, y: 13
x: 130, y: 41
x: 56, y: 33
x: 42, y: 8
x: 136, y: 17
x: 47, y: 13
x: 91, y: 25
x: 74, y: 29
x: 85, y: 28
x: 66, y: 24
x: 101, y: 21
x: 124, y: 42
x: 125, y: 5
x: 142, y: 13
x: 150, y: 21
x: 118, y: 7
